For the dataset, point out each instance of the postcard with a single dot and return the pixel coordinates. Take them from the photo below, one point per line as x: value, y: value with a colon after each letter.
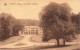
x: 39, y: 24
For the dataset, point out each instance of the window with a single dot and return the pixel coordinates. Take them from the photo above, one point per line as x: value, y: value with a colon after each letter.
x: 36, y: 31
x: 32, y: 28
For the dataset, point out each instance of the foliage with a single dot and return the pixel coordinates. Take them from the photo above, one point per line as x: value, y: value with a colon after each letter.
x: 29, y: 22
x: 7, y: 25
x: 55, y: 20
x: 76, y: 20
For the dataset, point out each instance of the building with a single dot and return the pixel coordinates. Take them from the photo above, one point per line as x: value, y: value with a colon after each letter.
x: 33, y: 30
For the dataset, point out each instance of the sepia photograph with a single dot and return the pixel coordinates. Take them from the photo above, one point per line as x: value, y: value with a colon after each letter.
x: 39, y: 24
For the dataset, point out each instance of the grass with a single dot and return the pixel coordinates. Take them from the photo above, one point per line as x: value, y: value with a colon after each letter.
x: 42, y: 48
x: 11, y: 40
x: 77, y: 49
x: 50, y: 47
x: 38, y: 39
x: 19, y: 44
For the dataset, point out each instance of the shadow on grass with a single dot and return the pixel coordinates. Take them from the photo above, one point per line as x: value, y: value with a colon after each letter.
x: 77, y: 49
x: 46, y: 47
x: 36, y: 47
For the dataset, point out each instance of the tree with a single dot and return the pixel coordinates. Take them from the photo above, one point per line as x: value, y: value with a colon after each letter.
x: 7, y: 24
x: 55, y: 20
x: 75, y: 19
x: 18, y: 26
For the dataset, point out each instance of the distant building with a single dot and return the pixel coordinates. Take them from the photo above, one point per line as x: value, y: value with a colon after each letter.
x: 32, y: 30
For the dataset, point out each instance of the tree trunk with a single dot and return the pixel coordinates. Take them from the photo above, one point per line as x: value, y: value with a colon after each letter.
x: 58, y: 44
x: 64, y: 42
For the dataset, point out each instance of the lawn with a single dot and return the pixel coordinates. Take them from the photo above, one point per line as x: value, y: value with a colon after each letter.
x: 67, y: 47
x: 11, y: 40
x: 38, y: 38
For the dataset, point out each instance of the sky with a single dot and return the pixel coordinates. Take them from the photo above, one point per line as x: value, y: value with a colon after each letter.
x: 30, y: 9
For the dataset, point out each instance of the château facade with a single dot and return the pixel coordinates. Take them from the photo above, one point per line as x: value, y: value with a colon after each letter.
x: 32, y: 30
